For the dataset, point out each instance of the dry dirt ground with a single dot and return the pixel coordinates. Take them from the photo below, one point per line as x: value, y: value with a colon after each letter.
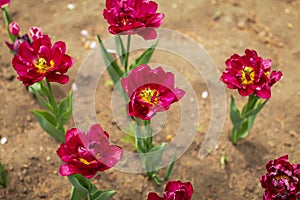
x: 223, y: 27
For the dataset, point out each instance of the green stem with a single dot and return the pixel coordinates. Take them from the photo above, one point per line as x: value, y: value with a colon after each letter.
x: 127, y: 53
x: 54, y: 104
x: 8, y: 20
x: 51, y: 96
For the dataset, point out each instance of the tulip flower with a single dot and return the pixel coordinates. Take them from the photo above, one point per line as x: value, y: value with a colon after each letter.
x: 129, y: 17
x: 87, y: 154
x: 175, y: 190
x: 150, y: 91
x: 250, y: 74
x: 38, y: 60
x: 282, y: 180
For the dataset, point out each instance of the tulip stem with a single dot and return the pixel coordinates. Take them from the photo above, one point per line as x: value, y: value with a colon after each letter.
x: 127, y: 53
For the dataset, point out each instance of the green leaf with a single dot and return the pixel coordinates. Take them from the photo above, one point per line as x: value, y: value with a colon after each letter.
x: 77, y: 194
x: 112, y: 67
x: 144, y: 58
x: 153, y: 158
x: 120, y: 49
x: 170, y: 168
x: 103, y: 194
x: 65, y: 109
x: 48, y: 123
x: 35, y: 88
x: 258, y: 107
x: 235, y: 115
x: 80, y: 183
x: 3, y: 177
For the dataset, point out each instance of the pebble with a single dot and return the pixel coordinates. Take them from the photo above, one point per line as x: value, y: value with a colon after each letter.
x: 289, y: 25
x: 48, y: 158
x: 71, y: 6
x: 93, y: 44
x: 204, y: 94
x: 3, y: 140
x: 84, y: 32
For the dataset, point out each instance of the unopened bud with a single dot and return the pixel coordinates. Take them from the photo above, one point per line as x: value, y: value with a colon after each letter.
x: 14, y: 28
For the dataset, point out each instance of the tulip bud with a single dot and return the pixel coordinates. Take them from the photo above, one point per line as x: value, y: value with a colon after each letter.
x: 14, y: 28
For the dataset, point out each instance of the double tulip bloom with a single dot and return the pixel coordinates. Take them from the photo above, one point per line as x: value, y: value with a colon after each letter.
x: 4, y: 2
x: 129, y: 17
x: 39, y: 59
x: 282, y: 180
x: 150, y: 91
x: 250, y: 74
x: 175, y: 190
x: 86, y: 154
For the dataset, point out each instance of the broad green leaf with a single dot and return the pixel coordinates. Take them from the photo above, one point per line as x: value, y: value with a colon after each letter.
x: 3, y: 177
x: 144, y: 58
x: 77, y: 194
x: 65, y: 109
x: 235, y: 114
x: 120, y: 49
x: 41, y: 100
x: 80, y: 183
x: 153, y: 158
x: 112, y: 67
x: 48, y: 123
x: 103, y: 194
x: 257, y: 109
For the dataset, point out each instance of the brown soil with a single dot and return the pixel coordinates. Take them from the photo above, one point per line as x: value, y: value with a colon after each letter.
x: 223, y: 27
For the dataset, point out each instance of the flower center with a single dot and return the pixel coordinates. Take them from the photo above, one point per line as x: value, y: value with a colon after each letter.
x: 247, y: 76
x: 43, y: 66
x: 149, y: 96
x: 84, y: 161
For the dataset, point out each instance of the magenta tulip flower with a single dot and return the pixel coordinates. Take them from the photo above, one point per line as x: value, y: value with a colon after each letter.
x: 4, y: 2
x: 150, y: 91
x: 129, y: 17
x: 282, y: 181
x: 250, y: 74
x: 175, y: 190
x: 38, y: 60
x: 87, y: 154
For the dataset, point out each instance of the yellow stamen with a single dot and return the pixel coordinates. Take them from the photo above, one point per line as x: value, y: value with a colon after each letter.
x: 247, y: 76
x: 149, y: 96
x: 84, y: 161
x: 43, y: 66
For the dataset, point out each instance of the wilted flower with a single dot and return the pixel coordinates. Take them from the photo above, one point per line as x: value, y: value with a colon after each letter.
x: 150, y: 91
x: 282, y: 182
x: 40, y: 59
x: 250, y: 74
x: 4, y: 2
x: 129, y: 17
x: 86, y: 154
x: 175, y: 190
x: 14, y: 28
x: 19, y: 40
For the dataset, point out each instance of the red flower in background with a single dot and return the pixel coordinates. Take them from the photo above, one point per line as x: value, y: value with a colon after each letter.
x: 282, y: 182
x: 250, y: 74
x: 129, y: 17
x: 40, y: 59
x: 86, y: 154
x: 175, y: 190
x: 4, y: 2
x: 150, y: 91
